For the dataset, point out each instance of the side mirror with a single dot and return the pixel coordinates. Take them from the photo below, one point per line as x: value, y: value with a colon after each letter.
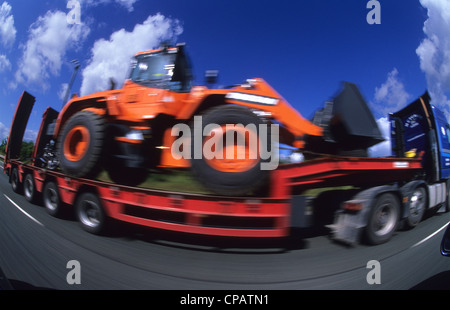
x: 445, y: 244
x: 211, y: 77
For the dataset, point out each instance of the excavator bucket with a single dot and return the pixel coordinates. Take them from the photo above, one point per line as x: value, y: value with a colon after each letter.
x: 348, y: 125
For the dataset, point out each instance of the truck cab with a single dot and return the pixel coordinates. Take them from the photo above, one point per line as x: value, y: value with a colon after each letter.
x: 423, y: 128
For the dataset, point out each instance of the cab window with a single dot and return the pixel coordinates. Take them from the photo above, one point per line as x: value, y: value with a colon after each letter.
x: 154, y: 70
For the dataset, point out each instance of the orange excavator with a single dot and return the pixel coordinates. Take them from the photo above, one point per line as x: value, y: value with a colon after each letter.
x: 128, y: 131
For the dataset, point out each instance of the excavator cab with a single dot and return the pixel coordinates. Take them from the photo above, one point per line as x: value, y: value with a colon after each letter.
x: 167, y: 68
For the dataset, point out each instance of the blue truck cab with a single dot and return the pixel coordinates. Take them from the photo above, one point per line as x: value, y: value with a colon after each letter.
x: 422, y: 128
x: 374, y: 213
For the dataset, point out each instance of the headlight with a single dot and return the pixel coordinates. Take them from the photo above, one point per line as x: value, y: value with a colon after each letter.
x: 135, y: 135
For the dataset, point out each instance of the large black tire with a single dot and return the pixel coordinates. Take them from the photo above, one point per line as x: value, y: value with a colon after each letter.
x: 82, y: 159
x: 15, y: 181
x: 52, y: 199
x: 417, y: 207
x: 90, y: 213
x: 29, y: 188
x: 226, y: 182
x: 383, y: 219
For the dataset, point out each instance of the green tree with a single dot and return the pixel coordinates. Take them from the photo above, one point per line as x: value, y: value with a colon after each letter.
x: 3, y: 146
x: 27, y: 149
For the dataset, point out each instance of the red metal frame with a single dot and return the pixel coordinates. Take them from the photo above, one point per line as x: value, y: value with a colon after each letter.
x: 342, y: 171
x: 191, y: 213
x: 224, y: 216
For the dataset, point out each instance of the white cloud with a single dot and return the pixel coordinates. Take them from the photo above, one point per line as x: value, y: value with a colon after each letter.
x: 7, y: 29
x: 391, y: 95
x: 383, y: 148
x: 62, y: 91
x: 434, y: 51
x: 111, y: 58
x: 127, y: 4
x: 4, y: 132
x: 29, y: 135
x: 43, y: 54
x: 4, y: 63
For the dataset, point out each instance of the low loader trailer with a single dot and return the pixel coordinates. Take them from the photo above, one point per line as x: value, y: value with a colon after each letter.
x: 374, y: 195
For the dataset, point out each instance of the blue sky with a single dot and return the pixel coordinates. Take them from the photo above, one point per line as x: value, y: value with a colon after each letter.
x: 304, y: 49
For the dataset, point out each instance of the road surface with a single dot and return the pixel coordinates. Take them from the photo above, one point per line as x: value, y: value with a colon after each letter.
x: 35, y: 250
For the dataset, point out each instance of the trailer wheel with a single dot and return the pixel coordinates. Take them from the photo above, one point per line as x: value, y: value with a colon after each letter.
x: 90, y: 213
x: 239, y: 175
x: 15, y: 181
x: 417, y: 207
x: 52, y: 199
x: 29, y: 188
x: 80, y: 145
x: 383, y: 219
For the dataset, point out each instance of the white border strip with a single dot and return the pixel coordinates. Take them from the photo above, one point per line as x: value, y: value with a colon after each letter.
x: 15, y: 205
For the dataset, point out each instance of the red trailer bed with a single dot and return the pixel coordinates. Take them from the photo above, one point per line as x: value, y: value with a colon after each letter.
x: 342, y: 171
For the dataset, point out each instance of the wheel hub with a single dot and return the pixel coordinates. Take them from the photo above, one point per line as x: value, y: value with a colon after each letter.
x: 232, y: 149
x: 76, y: 143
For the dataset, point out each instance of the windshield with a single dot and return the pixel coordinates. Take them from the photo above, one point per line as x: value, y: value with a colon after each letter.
x: 153, y: 68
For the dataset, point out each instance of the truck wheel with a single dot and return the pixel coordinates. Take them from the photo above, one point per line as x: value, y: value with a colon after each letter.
x: 230, y: 175
x: 417, y: 207
x: 29, y: 188
x: 90, y: 213
x: 52, y: 199
x: 383, y: 219
x: 80, y: 145
x: 15, y: 181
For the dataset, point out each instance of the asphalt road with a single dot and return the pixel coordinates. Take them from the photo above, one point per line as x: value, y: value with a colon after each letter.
x: 35, y: 250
